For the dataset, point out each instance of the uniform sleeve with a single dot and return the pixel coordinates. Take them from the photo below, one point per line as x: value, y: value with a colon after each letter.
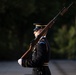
x: 39, y: 59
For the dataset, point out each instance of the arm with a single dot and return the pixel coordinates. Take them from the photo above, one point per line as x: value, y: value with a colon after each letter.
x: 38, y: 60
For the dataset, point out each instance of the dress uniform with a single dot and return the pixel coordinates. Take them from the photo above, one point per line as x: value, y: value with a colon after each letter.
x: 39, y: 58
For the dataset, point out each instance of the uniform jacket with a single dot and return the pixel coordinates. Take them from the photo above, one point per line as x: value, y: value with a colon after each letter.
x: 39, y: 55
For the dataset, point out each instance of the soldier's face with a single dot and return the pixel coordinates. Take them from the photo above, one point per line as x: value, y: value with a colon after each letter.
x: 36, y: 33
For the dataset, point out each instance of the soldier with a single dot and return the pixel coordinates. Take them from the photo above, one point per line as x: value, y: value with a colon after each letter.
x: 39, y: 56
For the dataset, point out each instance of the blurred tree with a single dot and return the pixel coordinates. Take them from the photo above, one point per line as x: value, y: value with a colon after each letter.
x: 65, y: 42
x: 13, y: 14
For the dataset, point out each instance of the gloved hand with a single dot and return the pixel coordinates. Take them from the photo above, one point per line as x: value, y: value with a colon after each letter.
x: 20, y: 61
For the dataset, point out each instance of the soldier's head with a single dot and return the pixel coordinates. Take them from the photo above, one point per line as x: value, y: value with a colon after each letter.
x: 38, y: 28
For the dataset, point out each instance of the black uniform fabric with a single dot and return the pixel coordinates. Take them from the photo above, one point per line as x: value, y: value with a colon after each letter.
x: 40, y: 56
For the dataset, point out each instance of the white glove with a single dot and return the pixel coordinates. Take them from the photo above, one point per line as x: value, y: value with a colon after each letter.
x: 20, y: 61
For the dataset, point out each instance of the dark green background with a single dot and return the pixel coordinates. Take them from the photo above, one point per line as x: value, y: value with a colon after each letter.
x: 16, y: 27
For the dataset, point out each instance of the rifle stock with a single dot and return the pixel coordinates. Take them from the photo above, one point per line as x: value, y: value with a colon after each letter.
x: 49, y: 25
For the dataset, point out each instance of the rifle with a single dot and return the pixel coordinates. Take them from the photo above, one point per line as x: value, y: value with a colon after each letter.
x: 49, y: 25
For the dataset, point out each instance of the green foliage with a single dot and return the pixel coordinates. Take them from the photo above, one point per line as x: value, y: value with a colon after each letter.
x: 65, y: 40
